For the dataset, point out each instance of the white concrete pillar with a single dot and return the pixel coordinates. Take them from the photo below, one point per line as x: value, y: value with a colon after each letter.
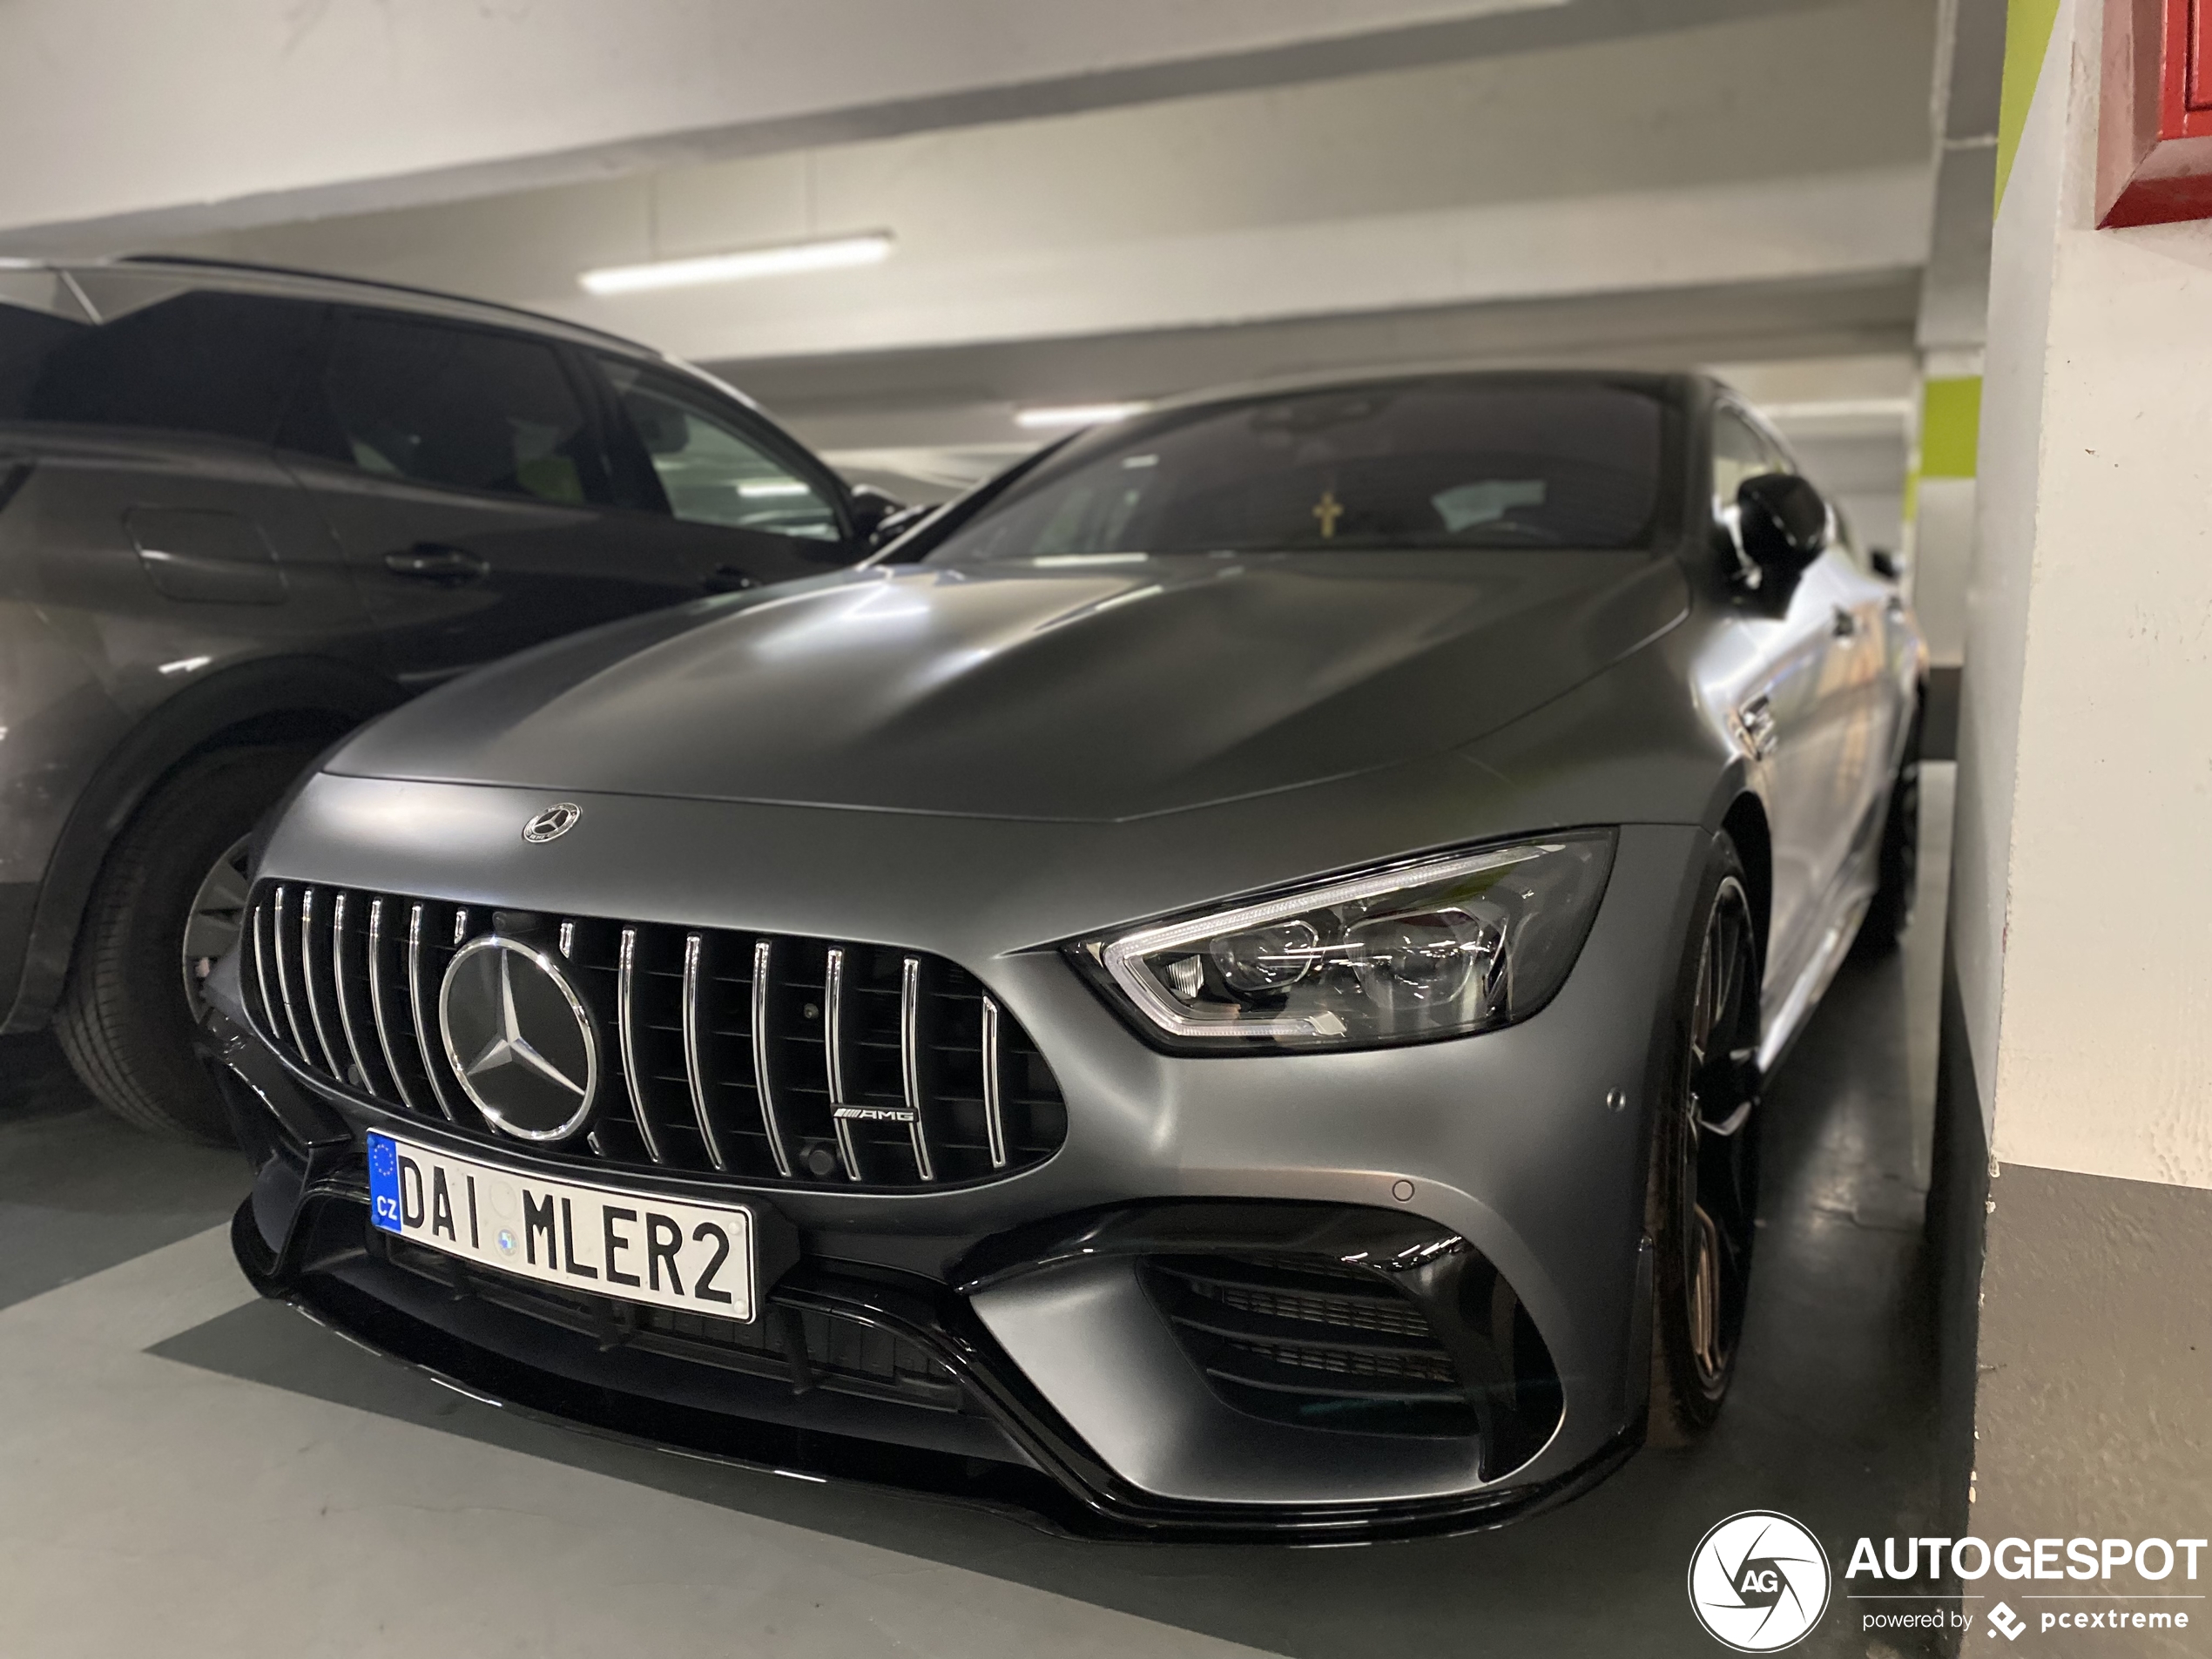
x: 1954, y: 304
x: 2079, y: 1028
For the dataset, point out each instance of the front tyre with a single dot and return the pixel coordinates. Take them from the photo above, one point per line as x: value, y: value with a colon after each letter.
x: 166, y: 904
x: 1702, y: 1194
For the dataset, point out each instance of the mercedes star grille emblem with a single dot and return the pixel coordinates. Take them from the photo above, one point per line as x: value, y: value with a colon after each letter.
x: 553, y: 822
x: 519, y: 1038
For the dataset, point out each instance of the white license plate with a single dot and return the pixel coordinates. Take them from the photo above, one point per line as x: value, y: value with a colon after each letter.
x: 637, y: 1246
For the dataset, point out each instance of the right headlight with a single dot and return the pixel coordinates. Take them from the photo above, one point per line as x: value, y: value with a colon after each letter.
x: 1432, y: 948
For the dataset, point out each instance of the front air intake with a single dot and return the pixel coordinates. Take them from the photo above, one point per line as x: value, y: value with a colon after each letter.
x: 771, y: 1057
x: 1312, y: 1343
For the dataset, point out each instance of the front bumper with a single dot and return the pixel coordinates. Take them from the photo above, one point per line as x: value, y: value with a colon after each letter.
x: 1519, y: 1153
x: 1005, y: 1447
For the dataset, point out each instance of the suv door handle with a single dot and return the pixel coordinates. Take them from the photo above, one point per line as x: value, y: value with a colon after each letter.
x: 1845, y: 623
x: 434, y: 562
x: 730, y: 579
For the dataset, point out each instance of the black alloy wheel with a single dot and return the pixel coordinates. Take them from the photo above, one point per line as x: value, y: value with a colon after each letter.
x: 1703, y: 1193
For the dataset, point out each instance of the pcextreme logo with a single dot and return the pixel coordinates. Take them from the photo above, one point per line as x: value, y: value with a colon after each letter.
x: 1758, y: 1582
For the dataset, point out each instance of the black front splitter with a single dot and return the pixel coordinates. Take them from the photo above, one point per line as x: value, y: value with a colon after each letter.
x: 1067, y: 1492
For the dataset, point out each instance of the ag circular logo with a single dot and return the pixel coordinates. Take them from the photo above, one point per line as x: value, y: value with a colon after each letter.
x: 521, y: 1042
x: 553, y: 823
x: 1758, y: 1582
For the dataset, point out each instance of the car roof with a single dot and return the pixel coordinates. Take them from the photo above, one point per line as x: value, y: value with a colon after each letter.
x: 1293, y: 385
x: 242, y: 276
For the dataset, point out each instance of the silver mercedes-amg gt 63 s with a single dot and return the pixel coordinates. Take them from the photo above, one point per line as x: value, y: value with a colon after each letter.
x: 1219, y: 987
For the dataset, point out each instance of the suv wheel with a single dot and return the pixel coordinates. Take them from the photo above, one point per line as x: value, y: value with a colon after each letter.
x: 166, y: 906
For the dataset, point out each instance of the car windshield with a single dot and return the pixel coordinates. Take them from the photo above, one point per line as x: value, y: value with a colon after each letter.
x: 1430, y: 464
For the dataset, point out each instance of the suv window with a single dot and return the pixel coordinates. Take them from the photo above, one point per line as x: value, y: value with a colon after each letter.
x: 28, y: 337
x: 704, y: 467
x: 444, y: 405
x: 213, y: 362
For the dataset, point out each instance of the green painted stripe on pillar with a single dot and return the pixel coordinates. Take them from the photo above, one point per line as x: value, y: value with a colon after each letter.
x: 1950, y: 426
x: 2027, y: 38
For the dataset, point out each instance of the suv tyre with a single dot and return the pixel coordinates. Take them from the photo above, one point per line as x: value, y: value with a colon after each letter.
x: 127, y: 1016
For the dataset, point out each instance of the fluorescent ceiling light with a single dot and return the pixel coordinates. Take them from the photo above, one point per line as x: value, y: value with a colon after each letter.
x: 1840, y: 408
x: 1090, y: 559
x: 757, y: 492
x: 736, y: 267
x: 1078, y: 414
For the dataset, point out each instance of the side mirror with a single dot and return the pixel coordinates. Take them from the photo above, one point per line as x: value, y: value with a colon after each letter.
x: 1888, y: 563
x: 1778, y: 526
x: 872, y: 510
x: 883, y: 519
x: 892, y: 525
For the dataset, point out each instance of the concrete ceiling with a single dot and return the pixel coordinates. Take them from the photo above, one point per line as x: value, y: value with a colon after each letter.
x: 1088, y: 203
x: 151, y: 122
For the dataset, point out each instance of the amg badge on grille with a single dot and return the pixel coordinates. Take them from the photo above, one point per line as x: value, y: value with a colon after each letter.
x: 553, y: 822
x: 520, y: 1040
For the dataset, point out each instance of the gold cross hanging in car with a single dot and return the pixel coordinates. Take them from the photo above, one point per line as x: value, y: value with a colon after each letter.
x: 1328, y: 509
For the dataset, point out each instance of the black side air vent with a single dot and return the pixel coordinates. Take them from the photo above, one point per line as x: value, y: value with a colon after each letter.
x: 1312, y: 1344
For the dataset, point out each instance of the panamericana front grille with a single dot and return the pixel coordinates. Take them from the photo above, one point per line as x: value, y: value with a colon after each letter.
x: 773, y: 1057
x: 1312, y: 1343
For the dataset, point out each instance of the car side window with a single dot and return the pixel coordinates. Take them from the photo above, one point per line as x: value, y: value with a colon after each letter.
x: 1846, y: 542
x: 223, y: 364
x: 707, y: 469
x: 1739, y: 452
x: 441, y: 405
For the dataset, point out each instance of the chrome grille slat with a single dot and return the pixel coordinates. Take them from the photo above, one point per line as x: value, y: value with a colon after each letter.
x: 417, y: 1008
x: 694, y: 1064
x: 833, y: 1059
x: 264, y: 920
x: 376, y: 1004
x: 307, y: 980
x: 764, y: 956
x: 340, y: 983
x: 993, y: 1107
x: 284, y: 975
x: 870, y: 1066
x: 910, y: 1063
x: 626, y: 1036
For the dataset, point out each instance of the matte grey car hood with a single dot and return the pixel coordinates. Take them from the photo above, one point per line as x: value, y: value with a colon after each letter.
x: 1082, y: 690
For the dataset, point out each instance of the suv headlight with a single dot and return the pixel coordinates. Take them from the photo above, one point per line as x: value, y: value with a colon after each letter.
x: 1432, y: 948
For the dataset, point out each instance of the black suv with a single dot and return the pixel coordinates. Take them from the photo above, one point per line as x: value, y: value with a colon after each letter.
x: 242, y: 510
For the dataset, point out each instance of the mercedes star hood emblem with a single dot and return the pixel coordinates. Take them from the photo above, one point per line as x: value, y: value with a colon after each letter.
x: 521, y: 1042
x: 553, y: 822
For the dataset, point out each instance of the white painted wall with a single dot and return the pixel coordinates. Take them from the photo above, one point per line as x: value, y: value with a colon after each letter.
x: 2083, y: 892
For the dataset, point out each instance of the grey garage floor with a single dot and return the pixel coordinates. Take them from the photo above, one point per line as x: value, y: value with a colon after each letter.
x: 185, y: 1470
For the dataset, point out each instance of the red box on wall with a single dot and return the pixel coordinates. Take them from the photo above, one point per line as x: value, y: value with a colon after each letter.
x: 2154, y: 124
